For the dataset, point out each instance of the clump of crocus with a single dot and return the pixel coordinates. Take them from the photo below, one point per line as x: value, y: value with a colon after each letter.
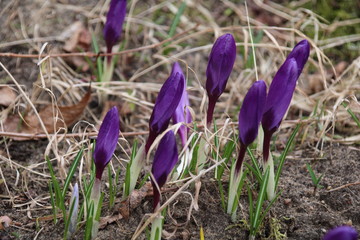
x: 165, y: 105
x: 165, y: 159
x: 341, y: 233
x: 73, y: 210
x: 278, y: 100
x: 221, y: 63
x: 104, y: 149
x: 182, y: 112
x: 112, y: 32
x: 249, y: 121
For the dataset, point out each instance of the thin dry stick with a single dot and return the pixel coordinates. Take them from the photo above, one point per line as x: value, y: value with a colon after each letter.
x: 344, y: 186
x: 92, y: 54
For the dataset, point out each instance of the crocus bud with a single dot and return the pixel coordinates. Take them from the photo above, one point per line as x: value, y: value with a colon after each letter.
x: 249, y: 118
x: 341, y: 233
x: 166, y: 103
x: 182, y: 113
x: 221, y: 63
x: 114, y: 21
x: 165, y: 159
x: 301, y: 54
x: 106, y: 141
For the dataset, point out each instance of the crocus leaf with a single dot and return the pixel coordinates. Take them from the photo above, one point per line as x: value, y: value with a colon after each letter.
x: 106, y: 141
x: 114, y: 22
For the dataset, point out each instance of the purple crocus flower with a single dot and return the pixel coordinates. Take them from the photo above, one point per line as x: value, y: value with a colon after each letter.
x: 106, y: 141
x: 250, y: 117
x: 221, y: 63
x: 341, y: 233
x: 165, y: 159
x: 166, y: 103
x: 114, y: 21
x: 182, y: 113
x: 281, y: 91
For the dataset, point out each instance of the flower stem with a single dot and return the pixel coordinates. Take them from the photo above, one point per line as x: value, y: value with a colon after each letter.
x: 95, y: 198
x: 210, y: 110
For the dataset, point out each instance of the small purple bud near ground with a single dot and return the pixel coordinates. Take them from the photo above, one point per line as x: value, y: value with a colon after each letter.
x: 341, y: 233
x: 166, y: 156
x: 106, y: 141
x: 249, y: 121
x: 249, y: 118
x: 166, y: 103
x: 220, y: 65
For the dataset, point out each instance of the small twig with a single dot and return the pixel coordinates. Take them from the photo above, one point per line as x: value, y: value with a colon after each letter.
x: 92, y: 54
x: 66, y: 135
x: 344, y: 186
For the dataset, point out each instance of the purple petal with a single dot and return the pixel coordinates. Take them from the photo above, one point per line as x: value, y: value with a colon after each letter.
x: 165, y: 158
x: 341, y: 233
x: 106, y: 140
x: 251, y: 112
x: 301, y: 54
x: 182, y: 113
x: 114, y: 21
x: 221, y: 63
x: 280, y: 94
x: 166, y: 103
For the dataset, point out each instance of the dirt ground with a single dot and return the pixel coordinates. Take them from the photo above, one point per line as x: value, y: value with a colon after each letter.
x: 328, y: 140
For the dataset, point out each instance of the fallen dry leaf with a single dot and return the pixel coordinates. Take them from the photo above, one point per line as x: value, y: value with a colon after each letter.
x: 7, y: 96
x: 5, y: 222
x: 79, y: 39
x: 52, y: 117
x: 104, y: 221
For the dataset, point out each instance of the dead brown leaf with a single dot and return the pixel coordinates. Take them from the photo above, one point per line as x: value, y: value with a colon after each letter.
x: 134, y: 200
x: 79, y: 40
x: 5, y: 222
x: 52, y: 117
x: 7, y: 96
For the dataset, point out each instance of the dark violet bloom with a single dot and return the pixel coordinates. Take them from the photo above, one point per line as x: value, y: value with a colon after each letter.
x: 250, y: 117
x: 166, y: 103
x: 106, y: 141
x: 114, y: 21
x: 182, y: 113
x: 281, y: 91
x: 166, y: 156
x: 301, y: 54
x: 341, y: 233
x: 221, y: 63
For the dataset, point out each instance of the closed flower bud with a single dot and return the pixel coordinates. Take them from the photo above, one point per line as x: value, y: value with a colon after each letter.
x: 166, y: 103
x: 106, y: 141
x: 114, y: 22
x: 221, y: 63
x: 341, y: 233
x: 166, y: 156
x: 182, y: 113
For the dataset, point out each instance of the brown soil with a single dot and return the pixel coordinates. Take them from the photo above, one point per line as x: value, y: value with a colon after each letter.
x: 301, y: 212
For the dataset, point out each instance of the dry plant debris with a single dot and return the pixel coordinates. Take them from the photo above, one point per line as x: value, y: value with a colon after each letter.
x: 328, y: 138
